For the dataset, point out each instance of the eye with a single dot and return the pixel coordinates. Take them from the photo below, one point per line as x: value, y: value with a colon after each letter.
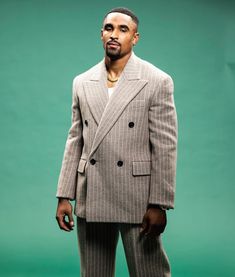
x: 124, y: 29
x: 108, y: 28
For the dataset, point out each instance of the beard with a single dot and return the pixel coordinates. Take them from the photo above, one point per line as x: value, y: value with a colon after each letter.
x: 113, y: 54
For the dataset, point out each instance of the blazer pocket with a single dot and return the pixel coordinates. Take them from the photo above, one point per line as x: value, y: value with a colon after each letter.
x: 136, y: 104
x: 81, y: 166
x: 141, y: 168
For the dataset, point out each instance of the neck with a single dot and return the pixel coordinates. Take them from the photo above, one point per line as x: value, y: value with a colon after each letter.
x: 115, y: 67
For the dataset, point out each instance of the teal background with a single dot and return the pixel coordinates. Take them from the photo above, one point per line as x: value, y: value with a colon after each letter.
x: 43, y: 45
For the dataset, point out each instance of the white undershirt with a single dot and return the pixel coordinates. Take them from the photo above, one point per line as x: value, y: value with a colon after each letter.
x: 110, y: 91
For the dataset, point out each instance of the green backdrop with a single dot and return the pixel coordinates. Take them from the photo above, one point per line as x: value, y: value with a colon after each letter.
x: 43, y: 45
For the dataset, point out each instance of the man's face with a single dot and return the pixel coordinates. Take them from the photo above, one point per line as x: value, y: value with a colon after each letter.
x: 119, y: 34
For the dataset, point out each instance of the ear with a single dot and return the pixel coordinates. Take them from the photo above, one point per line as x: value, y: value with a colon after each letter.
x: 135, y: 38
x: 101, y: 33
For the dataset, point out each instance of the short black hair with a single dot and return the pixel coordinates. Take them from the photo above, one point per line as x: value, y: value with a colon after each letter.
x: 124, y: 11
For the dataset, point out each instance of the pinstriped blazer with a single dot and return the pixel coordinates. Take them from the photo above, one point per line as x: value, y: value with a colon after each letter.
x: 120, y: 153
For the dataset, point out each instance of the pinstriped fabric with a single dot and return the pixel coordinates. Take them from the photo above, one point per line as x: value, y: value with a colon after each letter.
x: 116, y: 105
x: 73, y: 149
x: 97, y: 246
x: 162, y: 116
x: 131, y: 140
x: 145, y: 255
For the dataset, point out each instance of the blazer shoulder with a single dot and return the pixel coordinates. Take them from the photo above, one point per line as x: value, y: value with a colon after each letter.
x: 88, y: 73
x: 150, y: 71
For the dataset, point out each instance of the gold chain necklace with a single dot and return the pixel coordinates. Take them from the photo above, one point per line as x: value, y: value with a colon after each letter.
x: 111, y: 80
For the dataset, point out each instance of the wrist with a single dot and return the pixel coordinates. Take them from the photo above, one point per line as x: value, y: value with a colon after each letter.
x: 157, y: 206
x: 63, y: 199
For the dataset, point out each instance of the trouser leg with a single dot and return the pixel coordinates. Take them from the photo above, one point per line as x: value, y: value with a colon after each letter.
x: 97, y: 246
x: 145, y: 254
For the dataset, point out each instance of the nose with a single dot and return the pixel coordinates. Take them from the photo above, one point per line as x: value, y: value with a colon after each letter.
x: 114, y: 34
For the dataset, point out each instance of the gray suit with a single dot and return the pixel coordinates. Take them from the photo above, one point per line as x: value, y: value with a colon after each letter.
x: 120, y: 155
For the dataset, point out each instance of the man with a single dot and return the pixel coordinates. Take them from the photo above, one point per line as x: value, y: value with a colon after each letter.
x: 120, y: 157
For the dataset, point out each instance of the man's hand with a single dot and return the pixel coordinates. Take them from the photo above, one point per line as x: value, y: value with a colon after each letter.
x: 64, y: 209
x: 154, y: 221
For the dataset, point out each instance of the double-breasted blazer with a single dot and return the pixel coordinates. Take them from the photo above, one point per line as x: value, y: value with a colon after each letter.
x: 120, y: 153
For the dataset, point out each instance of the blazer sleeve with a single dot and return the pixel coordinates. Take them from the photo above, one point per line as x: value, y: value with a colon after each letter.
x: 68, y: 175
x: 163, y: 143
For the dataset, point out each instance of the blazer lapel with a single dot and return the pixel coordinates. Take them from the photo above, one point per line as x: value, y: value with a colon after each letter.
x: 96, y: 92
x: 128, y: 86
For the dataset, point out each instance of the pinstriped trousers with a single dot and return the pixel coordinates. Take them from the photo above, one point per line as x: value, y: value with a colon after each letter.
x: 97, y: 247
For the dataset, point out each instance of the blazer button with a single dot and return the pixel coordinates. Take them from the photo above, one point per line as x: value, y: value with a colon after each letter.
x: 131, y: 124
x: 86, y: 122
x: 92, y: 161
x: 120, y: 163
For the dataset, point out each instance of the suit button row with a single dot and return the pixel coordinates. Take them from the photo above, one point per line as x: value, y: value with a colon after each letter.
x: 119, y: 163
x: 92, y: 161
x: 131, y: 124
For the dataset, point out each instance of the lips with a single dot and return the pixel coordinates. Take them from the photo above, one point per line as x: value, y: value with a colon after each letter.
x: 113, y: 43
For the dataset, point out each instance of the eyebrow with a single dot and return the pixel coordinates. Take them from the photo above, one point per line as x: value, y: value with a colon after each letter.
x: 124, y: 26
